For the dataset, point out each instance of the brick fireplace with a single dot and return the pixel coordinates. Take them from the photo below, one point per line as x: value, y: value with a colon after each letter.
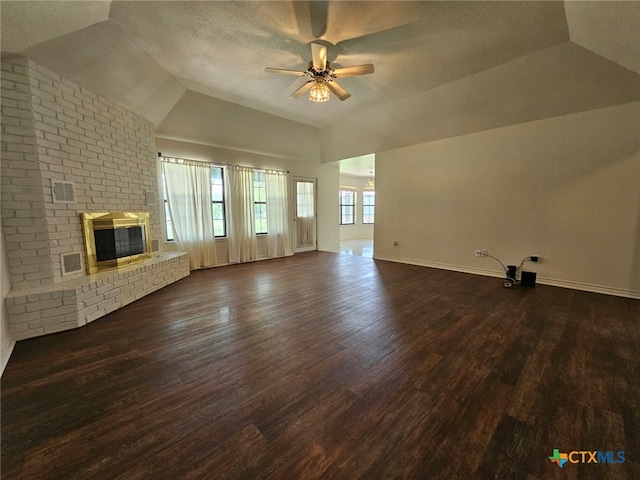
x: 56, y: 130
x: 115, y: 239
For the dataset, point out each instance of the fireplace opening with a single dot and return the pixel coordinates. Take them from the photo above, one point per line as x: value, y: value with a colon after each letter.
x: 118, y: 243
x: 115, y: 239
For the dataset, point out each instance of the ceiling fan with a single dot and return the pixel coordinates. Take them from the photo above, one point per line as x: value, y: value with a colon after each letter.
x: 323, y: 77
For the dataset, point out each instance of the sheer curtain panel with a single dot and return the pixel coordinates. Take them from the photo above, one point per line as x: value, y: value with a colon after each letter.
x: 278, y: 239
x: 305, y: 214
x: 243, y: 246
x: 190, y: 208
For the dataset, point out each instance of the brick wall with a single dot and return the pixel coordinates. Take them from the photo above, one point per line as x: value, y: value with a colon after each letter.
x: 23, y: 194
x: 53, y: 128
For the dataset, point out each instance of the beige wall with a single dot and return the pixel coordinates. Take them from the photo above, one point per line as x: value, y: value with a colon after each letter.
x: 358, y: 230
x: 327, y: 180
x: 564, y: 188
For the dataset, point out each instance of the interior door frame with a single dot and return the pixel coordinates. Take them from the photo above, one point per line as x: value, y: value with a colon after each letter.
x: 294, y: 210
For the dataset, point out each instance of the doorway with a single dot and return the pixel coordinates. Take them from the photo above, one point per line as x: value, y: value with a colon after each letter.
x: 360, y: 247
x: 305, y: 213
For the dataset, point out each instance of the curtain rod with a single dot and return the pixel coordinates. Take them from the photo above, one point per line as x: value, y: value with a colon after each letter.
x: 218, y: 164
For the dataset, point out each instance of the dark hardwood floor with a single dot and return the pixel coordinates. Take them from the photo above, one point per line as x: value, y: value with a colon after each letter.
x: 326, y: 366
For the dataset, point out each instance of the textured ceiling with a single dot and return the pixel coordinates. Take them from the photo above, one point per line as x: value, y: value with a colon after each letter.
x: 222, y: 48
x: 147, y: 55
x: 415, y: 46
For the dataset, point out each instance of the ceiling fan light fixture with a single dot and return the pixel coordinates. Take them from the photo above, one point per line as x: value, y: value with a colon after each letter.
x: 323, y: 76
x: 319, y: 92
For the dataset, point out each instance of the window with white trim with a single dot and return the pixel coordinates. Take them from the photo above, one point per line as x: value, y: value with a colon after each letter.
x: 260, y: 201
x: 368, y: 206
x: 218, y: 206
x: 347, y: 207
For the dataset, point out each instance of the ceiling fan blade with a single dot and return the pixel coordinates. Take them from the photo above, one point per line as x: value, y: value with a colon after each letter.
x: 303, y: 88
x: 337, y: 90
x: 354, y: 71
x: 297, y: 73
x: 319, y: 55
x: 311, y: 17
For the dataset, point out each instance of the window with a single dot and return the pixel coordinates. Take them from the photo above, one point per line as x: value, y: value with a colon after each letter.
x: 260, y: 201
x: 368, y: 206
x: 218, y: 205
x: 217, y: 199
x: 305, y: 199
x: 347, y: 207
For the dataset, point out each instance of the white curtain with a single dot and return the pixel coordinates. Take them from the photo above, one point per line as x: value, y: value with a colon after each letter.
x: 306, y: 220
x: 241, y: 221
x: 189, y: 200
x: 278, y: 239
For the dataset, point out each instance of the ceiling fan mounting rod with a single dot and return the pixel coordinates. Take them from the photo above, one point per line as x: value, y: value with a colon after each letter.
x: 314, y: 73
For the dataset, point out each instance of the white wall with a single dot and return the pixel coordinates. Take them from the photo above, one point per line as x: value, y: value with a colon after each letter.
x: 358, y: 230
x: 564, y: 188
x: 205, y: 120
x: 556, y: 81
x: 327, y: 180
x: 7, y: 342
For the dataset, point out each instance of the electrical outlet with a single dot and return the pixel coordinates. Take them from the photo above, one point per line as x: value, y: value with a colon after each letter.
x: 478, y: 253
x: 395, y: 243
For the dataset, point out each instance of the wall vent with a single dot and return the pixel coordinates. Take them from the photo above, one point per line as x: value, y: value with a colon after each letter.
x: 151, y: 198
x: 154, y: 245
x: 63, y: 192
x: 71, y: 263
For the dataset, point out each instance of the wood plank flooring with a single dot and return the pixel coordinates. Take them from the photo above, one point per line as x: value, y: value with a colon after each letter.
x: 326, y: 366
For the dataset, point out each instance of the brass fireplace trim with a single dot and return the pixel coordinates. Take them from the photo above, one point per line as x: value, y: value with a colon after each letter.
x: 110, y: 220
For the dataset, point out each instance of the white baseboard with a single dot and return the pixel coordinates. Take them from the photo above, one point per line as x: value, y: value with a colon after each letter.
x: 587, y: 287
x: 259, y: 259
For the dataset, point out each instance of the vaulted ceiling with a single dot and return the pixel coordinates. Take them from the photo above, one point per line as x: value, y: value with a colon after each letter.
x: 163, y: 59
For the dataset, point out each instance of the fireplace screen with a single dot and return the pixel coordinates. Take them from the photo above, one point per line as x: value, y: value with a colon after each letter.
x: 115, y: 239
x: 118, y: 242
